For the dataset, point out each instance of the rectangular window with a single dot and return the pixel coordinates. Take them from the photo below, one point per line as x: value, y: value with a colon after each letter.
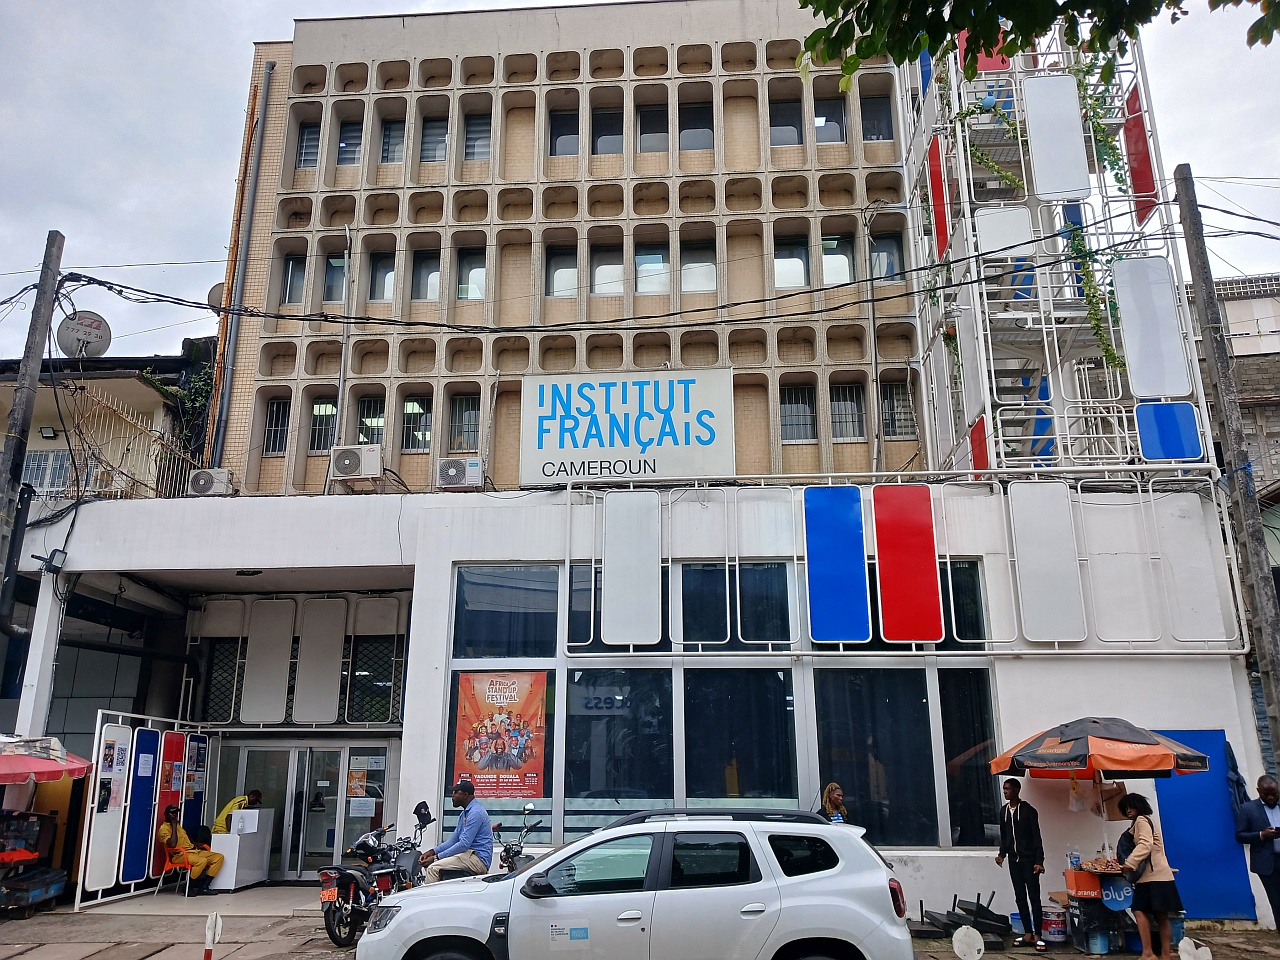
x: 606, y: 132
x: 615, y: 866
x: 293, y: 272
x: 382, y: 275
x: 697, y: 131
x: 586, y: 582
x: 350, y: 134
x: 464, y: 423
x: 886, y: 256
x: 562, y: 272
x: 59, y: 470
x: 308, y: 145
x: 324, y: 424
x: 653, y: 268
x: 393, y: 141
x: 435, y: 139
x: 874, y: 740
x: 371, y: 419
x: 471, y: 273
x: 698, y: 267
x: 275, y: 431
x: 828, y: 119
x: 477, y: 129
x: 877, y: 118
x: 335, y: 278
x: 848, y: 411
x: 740, y: 735
x: 799, y: 413
x: 786, y: 118
x: 416, y: 434
x: 619, y: 736
x: 711, y: 595
x: 606, y: 271
x: 790, y: 262
x: 426, y: 275
x: 506, y: 610
x: 35, y: 467
x: 711, y: 860
x: 371, y: 685
x: 564, y: 133
x: 837, y: 261
x: 653, y: 132
x: 897, y: 418
x: 968, y: 736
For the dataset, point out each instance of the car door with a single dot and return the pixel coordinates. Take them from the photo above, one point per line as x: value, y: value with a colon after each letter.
x: 602, y: 907
x: 716, y: 899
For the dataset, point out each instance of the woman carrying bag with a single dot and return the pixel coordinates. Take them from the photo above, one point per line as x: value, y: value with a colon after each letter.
x: 1141, y: 854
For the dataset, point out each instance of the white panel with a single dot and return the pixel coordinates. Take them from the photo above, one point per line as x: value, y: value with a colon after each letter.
x: 1044, y: 542
x: 1121, y: 585
x: 1154, y: 350
x: 940, y: 374
x: 698, y: 525
x: 1055, y: 130
x: 631, y: 594
x: 377, y: 617
x: 1005, y: 232
x: 222, y: 618
x: 266, y: 664
x: 972, y: 372
x: 109, y: 785
x: 765, y: 522
x: 318, y: 677
x: 1191, y: 578
x: 975, y: 524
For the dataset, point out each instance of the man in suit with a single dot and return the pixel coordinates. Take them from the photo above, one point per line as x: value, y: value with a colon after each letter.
x: 1258, y: 825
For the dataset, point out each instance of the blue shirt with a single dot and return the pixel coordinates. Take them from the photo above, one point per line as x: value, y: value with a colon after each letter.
x: 473, y: 832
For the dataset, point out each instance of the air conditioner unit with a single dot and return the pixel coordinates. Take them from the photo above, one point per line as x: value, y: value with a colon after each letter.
x: 460, y: 473
x: 363, y: 462
x: 211, y: 483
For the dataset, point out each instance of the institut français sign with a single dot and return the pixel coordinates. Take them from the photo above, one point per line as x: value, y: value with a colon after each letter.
x: 641, y: 426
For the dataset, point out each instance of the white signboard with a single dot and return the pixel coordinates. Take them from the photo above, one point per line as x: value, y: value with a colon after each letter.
x: 643, y: 426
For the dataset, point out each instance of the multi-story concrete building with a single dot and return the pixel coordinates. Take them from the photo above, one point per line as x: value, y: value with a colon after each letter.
x: 692, y: 430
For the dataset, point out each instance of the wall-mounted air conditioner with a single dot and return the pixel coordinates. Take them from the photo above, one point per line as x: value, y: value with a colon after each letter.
x: 211, y: 483
x: 460, y: 473
x: 362, y: 462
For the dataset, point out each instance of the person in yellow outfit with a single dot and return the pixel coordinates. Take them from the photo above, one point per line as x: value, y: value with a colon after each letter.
x: 205, y: 864
x: 223, y: 823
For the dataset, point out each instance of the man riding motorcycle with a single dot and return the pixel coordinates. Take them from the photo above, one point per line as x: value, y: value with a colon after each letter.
x: 471, y: 846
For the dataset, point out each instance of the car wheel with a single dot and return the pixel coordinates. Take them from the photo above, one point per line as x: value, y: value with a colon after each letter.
x: 449, y: 955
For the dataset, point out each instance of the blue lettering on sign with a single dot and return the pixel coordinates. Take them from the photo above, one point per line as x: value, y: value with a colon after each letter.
x: 578, y: 933
x: 608, y: 414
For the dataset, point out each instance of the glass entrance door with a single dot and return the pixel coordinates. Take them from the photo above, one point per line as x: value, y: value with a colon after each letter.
x: 269, y: 772
x: 318, y: 796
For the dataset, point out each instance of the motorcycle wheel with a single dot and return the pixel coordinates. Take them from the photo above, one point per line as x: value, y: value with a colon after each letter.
x: 340, y: 924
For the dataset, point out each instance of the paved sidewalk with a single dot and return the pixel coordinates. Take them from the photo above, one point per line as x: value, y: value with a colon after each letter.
x: 1225, y: 945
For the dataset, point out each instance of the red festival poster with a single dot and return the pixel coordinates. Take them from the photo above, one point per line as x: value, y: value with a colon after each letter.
x: 502, y: 733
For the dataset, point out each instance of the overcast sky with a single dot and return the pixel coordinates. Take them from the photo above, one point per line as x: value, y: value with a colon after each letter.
x: 122, y: 121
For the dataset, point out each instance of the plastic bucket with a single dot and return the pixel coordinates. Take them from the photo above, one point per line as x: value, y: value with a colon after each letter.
x: 1055, y: 925
x: 1015, y: 919
x: 1176, y: 929
x: 1132, y: 941
x: 1099, y: 942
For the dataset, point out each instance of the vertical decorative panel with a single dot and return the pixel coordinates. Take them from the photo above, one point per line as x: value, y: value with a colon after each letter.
x: 907, y: 563
x: 1044, y: 543
x: 631, y: 592
x: 938, y: 197
x: 1168, y: 432
x: 1154, y: 348
x: 1055, y: 130
x: 318, y: 679
x: 836, y: 564
x: 1005, y: 232
x: 1137, y: 148
x: 1122, y: 588
x: 266, y: 665
x: 1193, y: 568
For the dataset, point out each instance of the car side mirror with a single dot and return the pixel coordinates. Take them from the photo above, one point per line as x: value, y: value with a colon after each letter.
x: 529, y: 808
x: 537, y: 887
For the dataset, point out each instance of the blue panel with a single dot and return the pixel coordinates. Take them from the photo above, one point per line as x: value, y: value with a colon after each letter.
x: 140, y: 816
x: 836, y: 564
x: 1168, y: 431
x: 1200, y: 834
x: 926, y: 72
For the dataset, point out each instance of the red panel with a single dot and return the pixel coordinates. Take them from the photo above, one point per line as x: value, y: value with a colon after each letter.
x: 978, y: 444
x: 938, y: 195
x: 173, y: 749
x: 907, y: 563
x: 985, y: 63
x: 1138, y: 148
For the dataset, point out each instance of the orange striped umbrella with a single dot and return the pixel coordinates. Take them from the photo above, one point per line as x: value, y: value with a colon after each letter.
x: 1099, y: 745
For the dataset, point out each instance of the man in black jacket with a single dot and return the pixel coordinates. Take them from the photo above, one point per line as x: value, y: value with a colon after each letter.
x: 1258, y: 825
x: 1020, y: 842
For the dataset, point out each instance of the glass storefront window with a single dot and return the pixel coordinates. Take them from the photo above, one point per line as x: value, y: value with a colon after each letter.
x: 968, y: 735
x: 710, y: 600
x: 363, y: 803
x: 873, y: 740
x: 506, y: 611
x: 740, y: 736
x: 584, y: 612
x: 371, y: 683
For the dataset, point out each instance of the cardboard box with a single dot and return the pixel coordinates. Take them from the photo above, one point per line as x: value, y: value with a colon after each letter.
x: 1083, y: 885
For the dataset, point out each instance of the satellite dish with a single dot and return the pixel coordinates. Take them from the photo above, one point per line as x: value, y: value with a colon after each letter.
x: 215, y: 296
x: 84, y: 334
x: 967, y: 944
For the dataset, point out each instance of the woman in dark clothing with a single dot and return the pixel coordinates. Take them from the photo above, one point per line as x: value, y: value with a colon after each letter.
x: 833, y: 804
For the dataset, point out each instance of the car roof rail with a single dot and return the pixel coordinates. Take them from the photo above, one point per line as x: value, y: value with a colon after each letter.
x: 760, y: 815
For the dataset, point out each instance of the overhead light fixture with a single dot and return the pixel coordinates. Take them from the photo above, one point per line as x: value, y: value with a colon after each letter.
x: 48, y: 433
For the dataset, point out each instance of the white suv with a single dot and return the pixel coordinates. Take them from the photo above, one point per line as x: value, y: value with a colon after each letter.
x: 668, y: 885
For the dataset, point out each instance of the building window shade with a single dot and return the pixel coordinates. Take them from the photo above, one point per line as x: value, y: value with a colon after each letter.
x: 426, y: 275
x: 564, y: 133
x: 471, y: 273
x: 654, y: 135
x: 382, y: 275
x: 606, y: 271
x: 828, y: 120
x: 477, y: 130
x: 562, y: 272
x: 848, y: 411
x: 393, y: 141
x: 786, y: 118
x: 464, y: 423
x: 697, y: 268
x: 293, y: 271
x: 799, y: 413
x: 653, y: 268
x: 275, y: 432
x: 371, y: 419
x: 417, y: 425
x: 606, y: 132
x: 837, y: 261
x: 308, y: 145
x: 435, y: 139
x: 697, y: 131
x: 790, y: 263
x: 350, y: 133
x: 324, y: 424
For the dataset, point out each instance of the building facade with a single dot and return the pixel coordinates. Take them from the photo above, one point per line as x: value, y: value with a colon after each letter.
x: 682, y: 427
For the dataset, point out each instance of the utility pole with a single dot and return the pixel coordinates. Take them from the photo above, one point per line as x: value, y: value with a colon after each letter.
x: 14, y: 454
x: 1255, y: 565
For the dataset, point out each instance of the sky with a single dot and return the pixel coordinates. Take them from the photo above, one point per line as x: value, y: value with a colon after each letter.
x: 122, y: 123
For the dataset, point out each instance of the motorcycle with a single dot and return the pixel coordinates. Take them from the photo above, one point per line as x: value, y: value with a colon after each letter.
x: 513, y: 858
x: 348, y: 893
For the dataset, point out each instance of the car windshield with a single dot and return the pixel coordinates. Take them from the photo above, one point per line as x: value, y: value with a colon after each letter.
x: 499, y: 877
